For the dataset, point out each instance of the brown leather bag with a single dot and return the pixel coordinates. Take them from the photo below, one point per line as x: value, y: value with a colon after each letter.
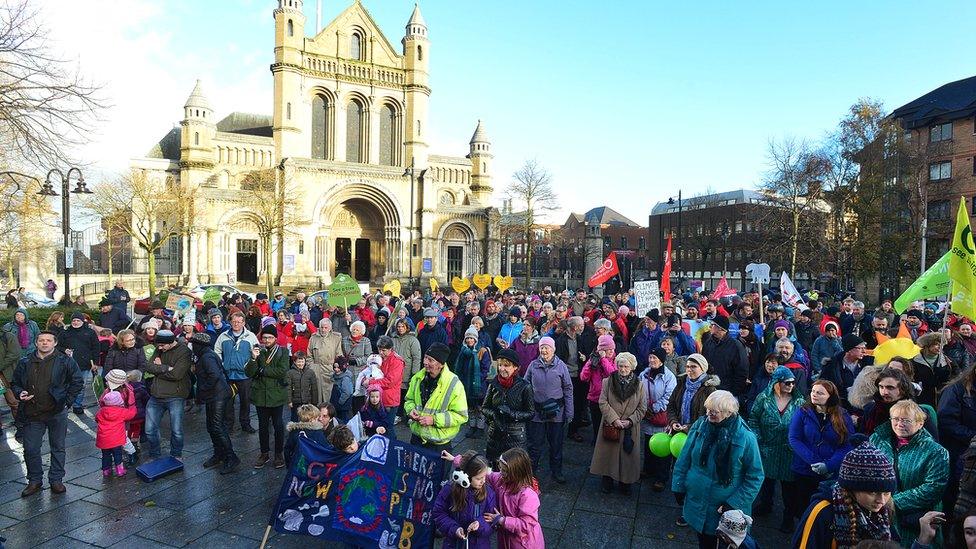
x: 611, y: 433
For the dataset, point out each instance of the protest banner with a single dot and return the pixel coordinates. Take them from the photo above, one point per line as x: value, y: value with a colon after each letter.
x: 647, y: 295
x: 380, y: 496
x: 608, y: 269
x: 791, y: 296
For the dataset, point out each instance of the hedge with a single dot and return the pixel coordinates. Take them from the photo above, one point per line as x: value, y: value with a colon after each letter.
x: 41, y: 314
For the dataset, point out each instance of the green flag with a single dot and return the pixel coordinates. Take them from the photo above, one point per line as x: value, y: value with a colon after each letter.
x: 962, y: 265
x: 933, y: 282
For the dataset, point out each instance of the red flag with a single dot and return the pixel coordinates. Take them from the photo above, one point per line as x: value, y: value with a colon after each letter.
x: 666, y: 275
x: 606, y: 271
x: 722, y: 290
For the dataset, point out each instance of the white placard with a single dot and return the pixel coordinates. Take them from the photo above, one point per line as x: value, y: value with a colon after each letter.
x: 759, y: 272
x: 647, y: 295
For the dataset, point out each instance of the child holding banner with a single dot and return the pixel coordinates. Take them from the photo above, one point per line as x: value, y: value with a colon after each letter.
x: 461, y: 506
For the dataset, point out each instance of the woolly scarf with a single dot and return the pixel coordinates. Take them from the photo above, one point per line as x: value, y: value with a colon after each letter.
x: 717, y: 447
x: 874, y: 526
x: 468, y: 370
x: 691, y: 387
x: 506, y: 382
x: 623, y: 387
x: 879, y: 415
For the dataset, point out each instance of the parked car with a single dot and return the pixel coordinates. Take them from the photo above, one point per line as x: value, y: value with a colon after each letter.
x: 141, y: 306
x: 198, y: 291
x: 321, y: 296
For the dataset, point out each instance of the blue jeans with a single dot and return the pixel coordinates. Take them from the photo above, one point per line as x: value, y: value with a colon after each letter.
x: 33, y: 431
x: 111, y: 454
x: 86, y: 377
x: 154, y: 416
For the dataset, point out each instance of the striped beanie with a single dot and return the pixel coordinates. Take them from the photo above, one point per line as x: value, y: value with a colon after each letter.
x: 867, y: 469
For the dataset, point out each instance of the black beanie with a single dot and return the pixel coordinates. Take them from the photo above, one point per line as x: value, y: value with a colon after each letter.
x: 850, y: 341
x: 439, y: 352
x: 660, y: 353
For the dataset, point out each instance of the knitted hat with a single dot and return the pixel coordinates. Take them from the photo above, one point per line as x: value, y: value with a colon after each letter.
x: 509, y: 355
x: 471, y: 332
x: 165, y: 337
x: 215, y: 312
x: 374, y: 360
x: 157, y: 305
x: 201, y: 338
x: 916, y: 314
x: 439, y: 352
x: 115, y: 379
x: 269, y: 330
x: 830, y: 323
x: 267, y: 321
x: 623, y: 310
x: 104, y: 302
x: 374, y: 387
x: 721, y: 321
x: 605, y: 343
x: 735, y: 525
x: 700, y: 360
x: 850, y: 341
x: 78, y: 316
x: 782, y: 373
x: 112, y: 398
x: 867, y: 469
x: 660, y: 353
x: 548, y: 341
x: 654, y: 315
x: 781, y: 324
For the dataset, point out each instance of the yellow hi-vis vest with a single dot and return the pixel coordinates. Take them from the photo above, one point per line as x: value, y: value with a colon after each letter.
x: 447, y: 404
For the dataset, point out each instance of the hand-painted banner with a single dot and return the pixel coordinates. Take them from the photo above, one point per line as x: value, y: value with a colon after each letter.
x: 380, y: 496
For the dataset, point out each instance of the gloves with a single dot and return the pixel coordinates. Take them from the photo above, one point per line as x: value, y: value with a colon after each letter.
x: 820, y: 469
x: 505, y: 412
x: 680, y: 498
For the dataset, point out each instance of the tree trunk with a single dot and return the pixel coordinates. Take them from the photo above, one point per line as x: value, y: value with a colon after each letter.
x: 528, y: 257
x: 152, y: 274
x: 108, y: 242
x: 795, y: 244
x: 269, y: 282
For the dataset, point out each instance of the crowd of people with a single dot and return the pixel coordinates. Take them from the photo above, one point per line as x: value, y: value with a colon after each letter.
x: 762, y: 393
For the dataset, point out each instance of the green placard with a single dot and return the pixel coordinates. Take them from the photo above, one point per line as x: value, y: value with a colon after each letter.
x: 212, y: 294
x: 343, y: 291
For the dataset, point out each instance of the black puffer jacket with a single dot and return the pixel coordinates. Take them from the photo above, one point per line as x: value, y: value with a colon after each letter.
x: 211, y: 383
x: 84, y: 345
x: 119, y: 358
x: 507, y: 411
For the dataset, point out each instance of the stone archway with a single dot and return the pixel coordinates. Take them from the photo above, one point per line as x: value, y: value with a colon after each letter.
x: 358, y: 234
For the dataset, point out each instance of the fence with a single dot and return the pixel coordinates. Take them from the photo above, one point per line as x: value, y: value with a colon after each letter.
x: 131, y: 284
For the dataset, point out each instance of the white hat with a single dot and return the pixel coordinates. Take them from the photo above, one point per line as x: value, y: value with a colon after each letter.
x: 735, y: 525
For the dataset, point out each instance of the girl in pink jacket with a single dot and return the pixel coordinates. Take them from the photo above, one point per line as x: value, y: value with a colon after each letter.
x: 517, y: 518
x: 597, y: 368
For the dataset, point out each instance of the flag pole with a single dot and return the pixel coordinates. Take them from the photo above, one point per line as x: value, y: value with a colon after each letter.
x: 762, y: 319
x: 264, y: 540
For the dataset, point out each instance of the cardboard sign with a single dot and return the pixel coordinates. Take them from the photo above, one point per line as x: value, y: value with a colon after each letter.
x: 393, y: 287
x: 212, y: 294
x: 482, y: 280
x: 344, y: 291
x: 178, y: 303
x: 380, y: 496
x: 648, y: 296
x: 759, y: 272
x: 503, y: 282
x: 460, y: 285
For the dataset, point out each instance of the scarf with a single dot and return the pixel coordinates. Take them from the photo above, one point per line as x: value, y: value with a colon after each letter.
x: 717, y: 447
x: 866, y: 525
x: 506, y: 382
x: 879, y: 415
x: 623, y: 387
x: 468, y: 369
x: 691, y: 387
x: 356, y: 338
x: 23, y: 335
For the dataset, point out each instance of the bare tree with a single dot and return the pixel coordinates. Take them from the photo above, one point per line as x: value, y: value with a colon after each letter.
x: 46, y: 108
x: 531, y: 188
x: 24, y: 218
x: 150, y: 210
x: 273, y: 199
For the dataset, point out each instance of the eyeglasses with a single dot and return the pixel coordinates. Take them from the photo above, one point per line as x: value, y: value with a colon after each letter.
x: 903, y: 421
x: 790, y: 382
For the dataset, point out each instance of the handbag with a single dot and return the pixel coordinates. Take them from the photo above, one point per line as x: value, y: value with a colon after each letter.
x: 611, y: 433
x: 656, y: 419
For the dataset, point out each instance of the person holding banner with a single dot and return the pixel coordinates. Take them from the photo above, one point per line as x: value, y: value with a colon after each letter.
x: 436, y: 405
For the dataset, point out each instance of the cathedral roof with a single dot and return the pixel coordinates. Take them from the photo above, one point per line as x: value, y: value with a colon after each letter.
x: 247, y: 124
x: 197, y: 98
x: 479, y: 134
x: 416, y: 18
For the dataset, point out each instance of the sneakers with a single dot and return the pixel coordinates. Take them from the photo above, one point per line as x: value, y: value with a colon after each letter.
x: 212, y: 462
x: 279, y: 461
x: 263, y: 460
x: 120, y: 470
x: 681, y: 522
x: 231, y: 465
x: 78, y: 410
x: 106, y: 472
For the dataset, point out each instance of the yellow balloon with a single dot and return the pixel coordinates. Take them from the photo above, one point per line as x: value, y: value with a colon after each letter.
x: 503, y: 282
x: 899, y: 346
x: 433, y: 285
x: 460, y: 285
x: 482, y: 280
x: 393, y: 287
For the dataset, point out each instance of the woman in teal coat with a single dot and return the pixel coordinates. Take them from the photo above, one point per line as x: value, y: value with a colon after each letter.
x: 770, y: 419
x: 718, y: 469
x: 921, y: 466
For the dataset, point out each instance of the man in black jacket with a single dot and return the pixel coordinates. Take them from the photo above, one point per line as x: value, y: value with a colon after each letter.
x: 80, y: 343
x: 45, y: 382
x: 727, y: 357
x: 214, y: 391
x: 842, y: 370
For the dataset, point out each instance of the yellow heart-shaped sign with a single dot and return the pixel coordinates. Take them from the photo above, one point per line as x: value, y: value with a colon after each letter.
x: 393, y: 287
x: 482, y: 280
x: 433, y: 285
x: 503, y: 282
x: 460, y: 285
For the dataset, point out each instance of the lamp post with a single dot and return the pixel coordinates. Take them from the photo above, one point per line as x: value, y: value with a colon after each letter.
x: 410, y: 172
x: 671, y: 203
x: 725, y: 248
x: 47, y: 189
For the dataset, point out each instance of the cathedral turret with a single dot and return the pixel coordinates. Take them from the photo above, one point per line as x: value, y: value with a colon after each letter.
x: 416, y: 62
x: 287, y: 70
x: 197, y: 132
x: 481, y: 157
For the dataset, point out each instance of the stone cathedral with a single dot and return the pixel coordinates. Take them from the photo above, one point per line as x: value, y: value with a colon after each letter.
x: 348, y: 129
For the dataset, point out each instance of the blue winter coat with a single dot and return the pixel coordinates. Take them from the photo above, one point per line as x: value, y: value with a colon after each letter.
x: 824, y: 348
x: 816, y: 442
x: 510, y: 332
x: 430, y: 335
x: 645, y: 341
x: 957, y: 422
x: 235, y: 352
x: 703, y: 492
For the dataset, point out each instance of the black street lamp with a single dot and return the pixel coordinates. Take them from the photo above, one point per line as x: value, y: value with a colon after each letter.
x: 726, y: 233
x: 410, y: 172
x: 47, y: 189
x: 678, y: 246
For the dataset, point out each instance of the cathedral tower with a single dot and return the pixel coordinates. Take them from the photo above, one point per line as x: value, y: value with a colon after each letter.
x: 416, y: 62
x: 287, y: 70
x: 480, y: 156
x: 197, y: 132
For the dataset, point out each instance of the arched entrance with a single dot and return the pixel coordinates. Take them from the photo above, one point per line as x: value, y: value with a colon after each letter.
x: 358, y: 233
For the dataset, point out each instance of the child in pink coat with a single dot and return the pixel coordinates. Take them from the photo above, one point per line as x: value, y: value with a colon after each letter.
x: 517, y: 518
x: 597, y: 368
x: 110, y: 437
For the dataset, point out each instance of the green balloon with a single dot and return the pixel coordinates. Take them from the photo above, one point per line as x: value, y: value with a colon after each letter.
x: 660, y: 444
x: 677, y: 443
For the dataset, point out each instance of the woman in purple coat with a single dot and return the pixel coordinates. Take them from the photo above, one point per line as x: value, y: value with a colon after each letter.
x: 526, y: 346
x: 460, y: 507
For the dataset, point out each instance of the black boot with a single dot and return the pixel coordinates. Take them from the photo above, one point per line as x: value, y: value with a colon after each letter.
x: 607, y: 485
x: 625, y: 488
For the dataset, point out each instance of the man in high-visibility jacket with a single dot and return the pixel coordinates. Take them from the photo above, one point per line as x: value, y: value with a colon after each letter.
x: 436, y: 405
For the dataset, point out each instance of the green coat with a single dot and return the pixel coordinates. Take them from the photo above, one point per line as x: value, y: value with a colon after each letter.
x: 269, y: 377
x: 922, y: 467
x: 772, y: 431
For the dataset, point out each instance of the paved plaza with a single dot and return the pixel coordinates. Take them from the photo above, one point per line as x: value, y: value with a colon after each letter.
x: 201, y: 508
